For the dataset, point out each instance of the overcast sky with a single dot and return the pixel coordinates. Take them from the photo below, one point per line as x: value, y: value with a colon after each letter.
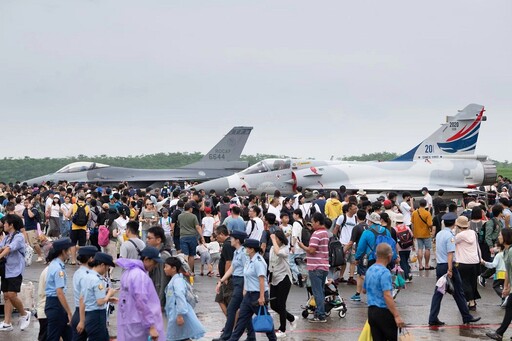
x: 315, y: 79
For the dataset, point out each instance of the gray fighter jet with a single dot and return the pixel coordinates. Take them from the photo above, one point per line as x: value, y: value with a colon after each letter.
x: 444, y: 160
x: 222, y: 160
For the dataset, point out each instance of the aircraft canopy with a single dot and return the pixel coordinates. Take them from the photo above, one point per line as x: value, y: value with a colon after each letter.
x: 268, y: 165
x: 81, y: 166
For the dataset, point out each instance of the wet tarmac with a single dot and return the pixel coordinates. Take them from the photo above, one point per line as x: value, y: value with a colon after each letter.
x: 412, y: 302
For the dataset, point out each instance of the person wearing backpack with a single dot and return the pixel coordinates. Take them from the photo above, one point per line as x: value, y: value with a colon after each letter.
x: 80, y: 216
x: 343, y: 230
x: 132, y: 247
x: 405, y: 243
x: 369, y: 240
x: 487, y: 238
x: 422, y: 229
x: 182, y: 322
x: 156, y: 239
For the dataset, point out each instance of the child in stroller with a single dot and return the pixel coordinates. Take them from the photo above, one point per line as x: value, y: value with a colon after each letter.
x: 333, y: 301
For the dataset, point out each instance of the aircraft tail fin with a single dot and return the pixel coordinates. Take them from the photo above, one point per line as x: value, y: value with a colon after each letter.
x: 227, y: 151
x: 457, y: 137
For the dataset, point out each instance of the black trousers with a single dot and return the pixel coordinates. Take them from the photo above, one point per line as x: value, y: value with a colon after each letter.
x: 279, y: 294
x: 43, y: 325
x: 468, y: 274
x: 74, y: 322
x: 57, y: 317
x: 507, y: 319
x: 382, y: 324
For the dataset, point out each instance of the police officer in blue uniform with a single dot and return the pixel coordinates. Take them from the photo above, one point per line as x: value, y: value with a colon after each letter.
x: 95, y: 296
x: 85, y: 256
x: 445, y: 257
x: 236, y: 272
x: 256, y: 289
x: 57, y: 309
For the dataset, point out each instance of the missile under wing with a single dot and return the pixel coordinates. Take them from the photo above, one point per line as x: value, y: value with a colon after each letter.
x: 221, y: 160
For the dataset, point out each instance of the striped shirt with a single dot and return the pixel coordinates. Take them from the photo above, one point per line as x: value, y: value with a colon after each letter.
x: 319, y: 260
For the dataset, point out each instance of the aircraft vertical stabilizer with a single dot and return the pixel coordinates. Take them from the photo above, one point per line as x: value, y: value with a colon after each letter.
x: 226, y: 154
x: 457, y: 137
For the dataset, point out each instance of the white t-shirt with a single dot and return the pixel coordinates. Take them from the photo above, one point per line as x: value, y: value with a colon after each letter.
x: 405, y: 208
x: 207, y: 224
x: 213, y: 247
x: 276, y: 211
x: 166, y: 224
x: 54, y: 211
x: 287, y: 230
x: 258, y: 229
x: 428, y: 198
x: 65, y: 210
x: 346, y: 230
x: 297, y: 233
x: 121, y: 224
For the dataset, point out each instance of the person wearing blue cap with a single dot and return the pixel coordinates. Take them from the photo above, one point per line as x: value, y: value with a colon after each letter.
x: 235, y: 274
x: 94, y: 298
x: 85, y: 255
x: 57, y: 308
x: 445, y: 257
x: 256, y: 290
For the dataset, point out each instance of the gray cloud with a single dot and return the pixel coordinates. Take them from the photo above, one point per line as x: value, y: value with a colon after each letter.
x: 336, y: 78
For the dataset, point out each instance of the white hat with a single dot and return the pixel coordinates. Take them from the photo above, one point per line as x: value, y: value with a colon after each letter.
x: 374, y: 218
x: 361, y: 192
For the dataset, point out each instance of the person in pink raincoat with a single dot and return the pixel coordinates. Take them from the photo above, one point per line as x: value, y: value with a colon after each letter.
x: 139, y: 316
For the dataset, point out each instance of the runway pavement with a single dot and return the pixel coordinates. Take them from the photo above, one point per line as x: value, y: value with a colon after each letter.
x: 413, y: 303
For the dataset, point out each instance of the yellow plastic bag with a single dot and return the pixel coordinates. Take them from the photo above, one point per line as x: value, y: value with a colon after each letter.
x: 366, y: 333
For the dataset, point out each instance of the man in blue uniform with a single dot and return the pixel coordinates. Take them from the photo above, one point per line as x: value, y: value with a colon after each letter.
x: 445, y: 256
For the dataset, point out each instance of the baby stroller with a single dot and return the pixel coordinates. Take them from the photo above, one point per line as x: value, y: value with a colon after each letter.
x: 333, y: 301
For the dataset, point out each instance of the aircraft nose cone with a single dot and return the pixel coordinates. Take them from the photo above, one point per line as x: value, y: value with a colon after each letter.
x: 219, y: 185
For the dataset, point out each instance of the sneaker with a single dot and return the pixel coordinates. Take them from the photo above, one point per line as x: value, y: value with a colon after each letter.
x: 25, y: 320
x: 280, y: 334
x: 481, y: 281
x: 318, y: 320
x: 395, y: 293
x: 39, y: 259
x: 6, y: 327
x: 351, y: 281
x: 356, y: 298
x: 293, y: 324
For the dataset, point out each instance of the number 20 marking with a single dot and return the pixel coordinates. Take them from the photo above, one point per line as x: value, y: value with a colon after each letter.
x: 429, y: 149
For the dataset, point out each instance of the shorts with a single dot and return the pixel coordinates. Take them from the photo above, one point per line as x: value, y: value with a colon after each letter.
x: 188, y: 245
x: 79, y: 236
x: 361, y: 269
x: 33, y: 240
x: 349, y: 255
x: 424, y: 243
x: 11, y: 284
x: 205, y: 258
x: 225, y: 293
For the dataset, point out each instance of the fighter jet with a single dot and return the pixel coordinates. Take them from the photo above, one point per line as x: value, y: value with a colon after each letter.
x: 446, y: 160
x: 222, y: 160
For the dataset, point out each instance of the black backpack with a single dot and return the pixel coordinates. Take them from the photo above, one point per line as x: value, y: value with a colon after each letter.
x: 336, y: 253
x: 305, y: 234
x: 80, y: 216
x: 404, y: 237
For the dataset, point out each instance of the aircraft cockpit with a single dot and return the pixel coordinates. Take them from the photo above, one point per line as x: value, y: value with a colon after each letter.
x: 81, y: 166
x: 268, y: 165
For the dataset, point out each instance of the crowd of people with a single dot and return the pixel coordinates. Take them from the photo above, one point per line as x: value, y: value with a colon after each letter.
x: 257, y: 246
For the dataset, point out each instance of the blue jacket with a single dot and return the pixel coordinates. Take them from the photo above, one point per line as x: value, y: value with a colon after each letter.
x: 366, y: 244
